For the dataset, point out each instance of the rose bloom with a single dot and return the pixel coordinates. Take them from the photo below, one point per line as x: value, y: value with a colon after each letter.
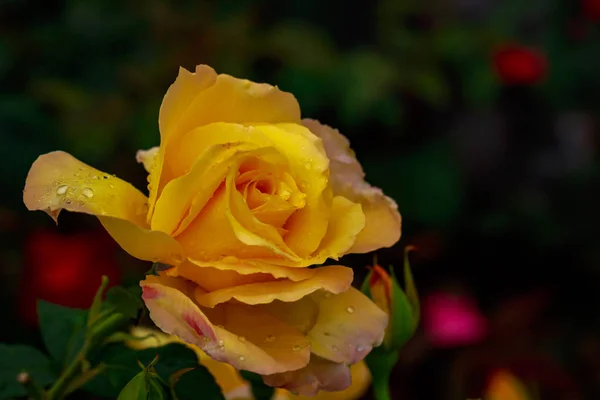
x: 244, y: 195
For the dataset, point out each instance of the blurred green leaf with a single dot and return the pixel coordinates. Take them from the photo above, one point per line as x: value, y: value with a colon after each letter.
x: 122, y: 365
x: 15, y: 359
x: 260, y: 390
x: 63, y: 330
x: 187, y: 384
x: 125, y: 301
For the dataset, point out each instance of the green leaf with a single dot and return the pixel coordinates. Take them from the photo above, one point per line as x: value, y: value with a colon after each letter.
x: 135, y: 389
x: 259, y: 389
x: 185, y: 385
x: 122, y: 365
x: 410, y: 289
x: 125, y: 301
x: 63, y: 330
x: 15, y: 359
x: 403, y: 322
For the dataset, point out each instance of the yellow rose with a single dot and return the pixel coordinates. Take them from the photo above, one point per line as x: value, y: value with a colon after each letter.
x: 243, y: 196
x: 234, y: 387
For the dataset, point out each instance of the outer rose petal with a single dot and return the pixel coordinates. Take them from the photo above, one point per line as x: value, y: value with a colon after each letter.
x: 383, y: 221
x: 59, y: 181
x: 349, y: 325
x: 147, y: 157
x: 199, y: 98
x: 245, y: 337
x: 248, y: 267
x: 319, y: 374
x: 334, y: 279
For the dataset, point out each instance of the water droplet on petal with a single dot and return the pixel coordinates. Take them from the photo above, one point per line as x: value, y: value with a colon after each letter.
x: 270, y: 338
x: 221, y: 343
x: 241, y: 338
x: 335, y: 348
x: 88, y: 192
x: 359, y: 348
x: 350, y: 310
x: 206, y: 339
x: 242, y: 358
x: 297, y: 348
x: 67, y: 201
x: 95, y: 177
x: 62, y: 189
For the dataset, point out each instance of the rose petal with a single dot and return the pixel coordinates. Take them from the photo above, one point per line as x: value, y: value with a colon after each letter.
x: 348, y: 327
x: 309, y: 165
x: 212, y: 279
x: 184, y: 197
x: 383, y: 222
x: 147, y: 157
x: 199, y: 98
x: 346, y: 222
x: 334, y: 279
x: 319, y: 374
x: 248, y: 267
x: 242, y: 336
x: 59, y: 181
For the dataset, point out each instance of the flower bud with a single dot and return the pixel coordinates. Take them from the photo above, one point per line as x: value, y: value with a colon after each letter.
x: 402, y: 306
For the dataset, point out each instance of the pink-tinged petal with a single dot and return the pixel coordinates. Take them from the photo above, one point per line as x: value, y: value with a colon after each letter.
x: 349, y: 325
x: 361, y: 380
x: 147, y: 158
x: 319, y: 374
x: 333, y: 279
x: 382, y: 219
x: 242, y: 336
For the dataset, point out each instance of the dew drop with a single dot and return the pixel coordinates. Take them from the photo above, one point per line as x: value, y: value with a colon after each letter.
x: 270, y: 338
x: 221, y: 342
x: 62, y: 189
x: 95, y: 177
x: 88, y: 192
x: 241, y: 338
x: 359, y: 348
x: 350, y: 310
x: 242, y: 358
x: 206, y: 339
x: 335, y: 348
x: 297, y: 348
x: 67, y: 201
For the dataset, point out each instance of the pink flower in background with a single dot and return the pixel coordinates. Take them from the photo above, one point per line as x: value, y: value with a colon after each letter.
x: 451, y: 320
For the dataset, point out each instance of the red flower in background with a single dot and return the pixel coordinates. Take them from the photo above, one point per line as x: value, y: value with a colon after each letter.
x: 591, y: 9
x: 518, y: 65
x: 65, y: 269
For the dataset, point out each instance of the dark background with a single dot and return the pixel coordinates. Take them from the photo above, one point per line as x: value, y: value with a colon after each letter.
x: 479, y: 117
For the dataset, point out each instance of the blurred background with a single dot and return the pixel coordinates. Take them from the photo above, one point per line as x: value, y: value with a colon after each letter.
x: 479, y: 117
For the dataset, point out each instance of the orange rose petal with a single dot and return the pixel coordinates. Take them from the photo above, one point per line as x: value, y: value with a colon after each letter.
x: 194, y: 188
x: 180, y: 94
x: 59, y: 181
x: 319, y: 374
x: 346, y: 222
x: 349, y: 325
x: 240, y: 335
x: 211, y: 279
x: 248, y: 267
x: 334, y: 279
x: 309, y: 165
x: 382, y: 219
